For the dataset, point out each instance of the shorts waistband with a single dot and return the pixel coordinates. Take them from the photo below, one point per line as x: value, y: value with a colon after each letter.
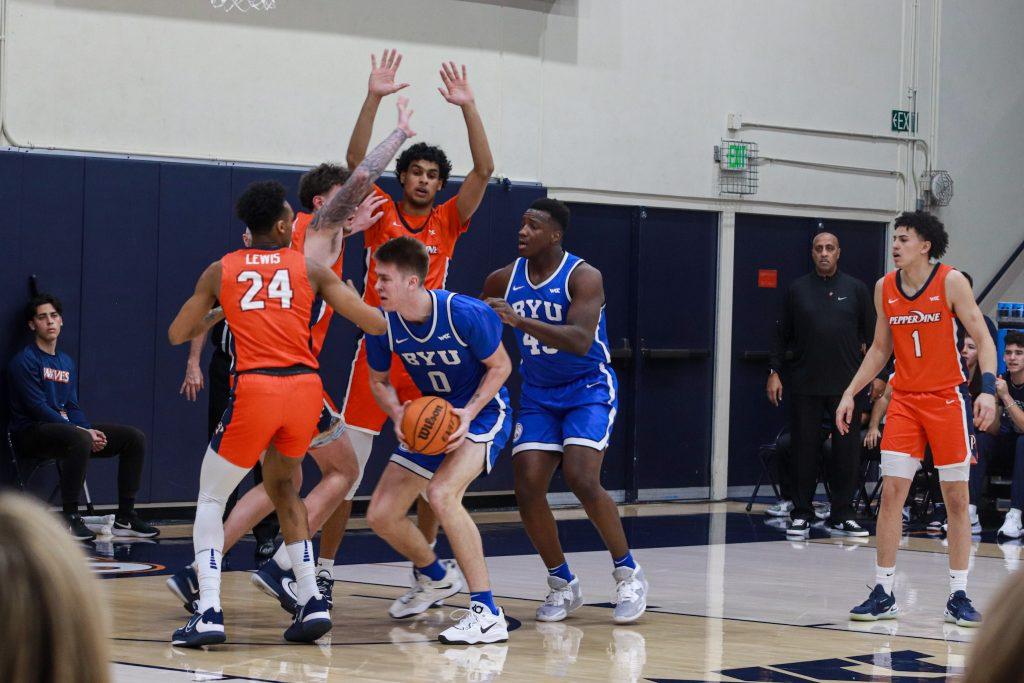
x: 289, y: 371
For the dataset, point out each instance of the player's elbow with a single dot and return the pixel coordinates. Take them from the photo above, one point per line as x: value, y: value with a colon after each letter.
x: 353, y: 159
x: 176, y: 335
x: 375, y: 324
x: 484, y: 170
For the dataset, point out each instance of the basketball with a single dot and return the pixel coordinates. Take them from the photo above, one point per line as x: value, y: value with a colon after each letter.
x: 427, y: 424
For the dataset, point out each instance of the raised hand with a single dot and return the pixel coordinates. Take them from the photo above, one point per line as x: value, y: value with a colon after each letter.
x: 382, y: 76
x: 456, y: 86
x: 404, y: 114
x: 366, y: 215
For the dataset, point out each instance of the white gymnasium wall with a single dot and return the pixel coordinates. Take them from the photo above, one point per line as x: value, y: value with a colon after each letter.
x: 596, y: 95
x: 980, y: 138
x: 603, y: 100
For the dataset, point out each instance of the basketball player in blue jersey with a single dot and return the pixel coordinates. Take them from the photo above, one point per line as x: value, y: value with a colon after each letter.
x: 451, y: 347
x: 555, y: 303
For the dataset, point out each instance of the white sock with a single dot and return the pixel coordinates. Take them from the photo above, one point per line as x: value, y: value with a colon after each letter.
x: 886, y: 577
x: 325, y: 564
x: 432, y: 544
x: 282, y: 558
x: 301, y: 553
x: 957, y: 580
x: 208, y: 569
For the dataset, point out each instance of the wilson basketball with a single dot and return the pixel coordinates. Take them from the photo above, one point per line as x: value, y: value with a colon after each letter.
x: 427, y: 424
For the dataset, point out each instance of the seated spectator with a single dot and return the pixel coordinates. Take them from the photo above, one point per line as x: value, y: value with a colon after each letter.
x: 1006, y: 437
x: 55, y: 625
x: 47, y: 422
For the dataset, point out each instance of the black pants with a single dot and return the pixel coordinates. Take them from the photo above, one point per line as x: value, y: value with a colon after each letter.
x: 844, y: 458
x: 220, y: 392
x: 71, y: 446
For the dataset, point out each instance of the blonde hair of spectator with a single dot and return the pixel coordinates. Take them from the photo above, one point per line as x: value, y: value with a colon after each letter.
x: 997, y: 655
x: 53, y: 625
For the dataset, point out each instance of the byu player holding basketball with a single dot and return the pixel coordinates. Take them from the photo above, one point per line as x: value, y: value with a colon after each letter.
x: 451, y: 347
x: 920, y: 307
x: 555, y: 302
x: 269, y: 295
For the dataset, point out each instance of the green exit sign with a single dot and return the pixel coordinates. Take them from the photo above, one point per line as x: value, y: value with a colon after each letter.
x: 903, y: 121
x: 735, y: 156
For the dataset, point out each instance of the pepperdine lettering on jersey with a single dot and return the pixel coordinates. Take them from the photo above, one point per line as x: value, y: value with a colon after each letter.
x: 915, y: 318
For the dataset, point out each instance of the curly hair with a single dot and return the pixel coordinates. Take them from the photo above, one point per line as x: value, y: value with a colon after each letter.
x: 320, y: 180
x: 41, y: 299
x: 261, y: 205
x: 928, y: 227
x: 421, y: 151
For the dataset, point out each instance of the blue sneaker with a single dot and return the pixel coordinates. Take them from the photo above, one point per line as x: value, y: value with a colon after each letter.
x: 311, y: 621
x: 877, y: 606
x: 202, y: 629
x: 185, y: 586
x: 961, y: 612
x: 275, y: 582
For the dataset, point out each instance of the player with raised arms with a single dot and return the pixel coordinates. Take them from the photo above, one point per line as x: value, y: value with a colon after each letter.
x: 923, y: 309
x: 554, y: 301
x: 451, y: 347
x: 268, y: 294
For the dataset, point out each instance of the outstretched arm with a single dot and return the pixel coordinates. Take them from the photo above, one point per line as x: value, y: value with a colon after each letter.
x: 344, y: 299
x: 324, y: 245
x: 456, y: 90
x: 577, y: 335
x: 343, y: 204
x: 382, y: 83
x: 193, y: 318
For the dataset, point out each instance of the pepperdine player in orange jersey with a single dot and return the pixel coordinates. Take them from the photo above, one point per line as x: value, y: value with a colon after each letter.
x: 329, y: 447
x: 923, y: 309
x: 268, y: 295
x: 423, y: 171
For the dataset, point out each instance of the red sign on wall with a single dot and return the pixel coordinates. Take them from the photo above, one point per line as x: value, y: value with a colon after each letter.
x: 767, y: 278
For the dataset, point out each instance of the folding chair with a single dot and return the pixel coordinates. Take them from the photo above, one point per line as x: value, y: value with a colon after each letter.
x: 766, y: 453
x: 23, y: 479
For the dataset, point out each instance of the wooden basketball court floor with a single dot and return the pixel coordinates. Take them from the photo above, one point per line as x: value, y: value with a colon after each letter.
x: 730, y: 600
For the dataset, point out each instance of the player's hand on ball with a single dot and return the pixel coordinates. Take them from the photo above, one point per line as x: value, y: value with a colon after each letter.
x: 844, y: 414
x: 397, y: 423
x: 459, y: 435
x: 984, y: 411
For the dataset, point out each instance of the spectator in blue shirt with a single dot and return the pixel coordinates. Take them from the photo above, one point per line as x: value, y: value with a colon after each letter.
x: 47, y: 422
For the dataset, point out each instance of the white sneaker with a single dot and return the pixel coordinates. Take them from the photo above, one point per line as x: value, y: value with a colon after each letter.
x: 630, y: 594
x: 426, y: 592
x: 476, y: 625
x: 413, y: 575
x: 780, y: 509
x: 1011, y: 527
x: 564, y: 597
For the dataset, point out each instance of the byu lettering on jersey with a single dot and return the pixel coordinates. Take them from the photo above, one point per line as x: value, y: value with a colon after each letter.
x: 443, y: 356
x: 567, y: 399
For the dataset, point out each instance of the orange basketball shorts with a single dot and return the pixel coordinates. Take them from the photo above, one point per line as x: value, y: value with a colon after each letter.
x: 361, y: 410
x: 940, y: 419
x: 269, y: 410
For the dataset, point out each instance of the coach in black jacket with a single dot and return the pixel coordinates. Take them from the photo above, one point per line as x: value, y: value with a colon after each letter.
x: 827, y: 321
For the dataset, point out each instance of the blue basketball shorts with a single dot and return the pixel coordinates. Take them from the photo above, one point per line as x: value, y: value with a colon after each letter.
x: 580, y: 413
x: 491, y: 427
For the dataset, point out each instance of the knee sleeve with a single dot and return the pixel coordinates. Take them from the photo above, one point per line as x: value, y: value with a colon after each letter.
x: 362, y: 444
x: 217, y: 479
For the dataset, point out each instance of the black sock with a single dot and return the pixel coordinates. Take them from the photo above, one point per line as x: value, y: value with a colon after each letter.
x: 125, y: 506
x: 70, y: 508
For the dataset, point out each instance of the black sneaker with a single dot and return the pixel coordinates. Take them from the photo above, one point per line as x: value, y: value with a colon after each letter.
x: 264, y: 550
x: 325, y: 584
x: 76, y: 526
x: 847, y: 528
x: 132, y: 525
x: 798, y: 527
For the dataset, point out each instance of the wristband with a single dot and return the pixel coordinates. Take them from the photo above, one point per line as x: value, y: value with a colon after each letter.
x: 988, y: 383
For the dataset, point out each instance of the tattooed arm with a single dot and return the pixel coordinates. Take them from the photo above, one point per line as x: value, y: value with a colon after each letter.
x: 344, y: 203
